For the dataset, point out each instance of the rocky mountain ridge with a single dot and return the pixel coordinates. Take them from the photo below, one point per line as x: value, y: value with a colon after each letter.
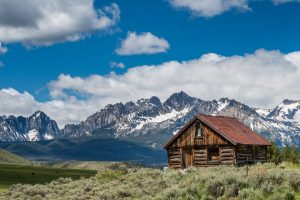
x: 156, y: 121
x: 33, y: 128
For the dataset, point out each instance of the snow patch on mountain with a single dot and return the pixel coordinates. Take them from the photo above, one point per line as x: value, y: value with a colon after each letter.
x: 48, y: 136
x: 161, y: 118
x: 287, y: 111
x: 222, y: 105
x: 32, y: 135
x: 263, y: 112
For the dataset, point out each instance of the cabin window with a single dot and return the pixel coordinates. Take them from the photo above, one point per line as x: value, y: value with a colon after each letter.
x: 213, y: 154
x: 198, y: 129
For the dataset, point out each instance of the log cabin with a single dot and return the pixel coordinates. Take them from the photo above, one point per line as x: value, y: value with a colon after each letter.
x: 215, y: 140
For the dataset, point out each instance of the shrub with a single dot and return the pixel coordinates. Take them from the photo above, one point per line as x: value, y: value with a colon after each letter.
x: 108, y: 175
x: 294, y: 181
x: 289, y: 195
x: 267, y: 188
x: 232, y: 191
x: 250, y: 194
x: 215, y: 189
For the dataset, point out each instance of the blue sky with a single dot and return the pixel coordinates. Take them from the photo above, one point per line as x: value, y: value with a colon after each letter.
x: 48, y: 72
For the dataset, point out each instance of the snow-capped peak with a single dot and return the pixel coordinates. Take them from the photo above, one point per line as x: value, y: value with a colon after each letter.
x: 222, y: 103
x: 288, y: 110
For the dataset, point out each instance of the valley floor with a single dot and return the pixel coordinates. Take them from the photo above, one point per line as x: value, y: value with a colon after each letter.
x: 119, y: 181
x: 14, y: 174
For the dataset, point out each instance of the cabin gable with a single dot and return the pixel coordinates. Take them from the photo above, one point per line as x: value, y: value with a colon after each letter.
x: 188, y: 137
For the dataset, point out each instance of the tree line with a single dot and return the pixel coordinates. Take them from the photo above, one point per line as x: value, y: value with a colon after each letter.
x: 287, y: 153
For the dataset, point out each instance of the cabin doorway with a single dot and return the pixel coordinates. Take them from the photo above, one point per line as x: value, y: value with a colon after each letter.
x: 213, y: 154
x: 187, y: 157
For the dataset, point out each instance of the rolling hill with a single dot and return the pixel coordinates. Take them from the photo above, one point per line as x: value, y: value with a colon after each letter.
x: 10, y: 158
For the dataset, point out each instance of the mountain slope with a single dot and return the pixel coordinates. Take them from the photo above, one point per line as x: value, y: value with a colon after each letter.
x: 33, y: 128
x: 87, y: 149
x: 10, y: 158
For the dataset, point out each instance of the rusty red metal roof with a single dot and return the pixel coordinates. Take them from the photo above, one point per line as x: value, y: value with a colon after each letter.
x: 233, y: 130
x: 230, y: 128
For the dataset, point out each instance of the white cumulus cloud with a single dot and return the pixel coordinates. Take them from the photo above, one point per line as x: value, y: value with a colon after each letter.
x: 260, y: 79
x: 144, y: 43
x: 40, y: 22
x: 13, y: 102
x: 114, y: 64
x: 210, y: 8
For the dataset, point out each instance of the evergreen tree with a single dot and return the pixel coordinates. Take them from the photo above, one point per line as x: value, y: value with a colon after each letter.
x: 293, y: 154
x: 274, y: 154
x: 286, y: 153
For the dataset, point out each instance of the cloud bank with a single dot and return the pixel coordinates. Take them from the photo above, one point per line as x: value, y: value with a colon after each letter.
x: 210, y: 8
x: 260, y: 79
x: 144, y: 43
x: 40, y: 22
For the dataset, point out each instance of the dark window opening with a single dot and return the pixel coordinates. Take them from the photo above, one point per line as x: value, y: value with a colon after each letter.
x: 198, y: 129
x: 213, y: 154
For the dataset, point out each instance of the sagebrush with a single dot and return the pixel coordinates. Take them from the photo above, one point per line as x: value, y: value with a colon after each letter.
x: 263, y: 182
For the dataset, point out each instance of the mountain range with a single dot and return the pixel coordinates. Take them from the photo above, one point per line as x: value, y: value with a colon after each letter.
x: 152, y: 122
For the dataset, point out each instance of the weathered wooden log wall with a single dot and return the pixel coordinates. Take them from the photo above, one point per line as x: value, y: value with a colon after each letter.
x: 200, y: 156
x: 261, y: 153
x: 227, y: 155
x: 174, y: 158
x: 244, y: 154
x: 251, y: 154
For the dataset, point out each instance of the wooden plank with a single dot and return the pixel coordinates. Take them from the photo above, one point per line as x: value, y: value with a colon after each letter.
x: 244, y: 154
x: 226, y: 151
x: 227, y: 162
x: 226, y: 154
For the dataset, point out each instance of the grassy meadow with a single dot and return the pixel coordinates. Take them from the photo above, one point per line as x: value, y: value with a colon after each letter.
x: 25, y: 174
x: 266, y: 181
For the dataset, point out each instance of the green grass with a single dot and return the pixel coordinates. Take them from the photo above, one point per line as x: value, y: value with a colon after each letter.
x: 13, y: 174
x: 287, y: 165
x: 10, y: 158
x: 297, y: 195
x: 91, y: 165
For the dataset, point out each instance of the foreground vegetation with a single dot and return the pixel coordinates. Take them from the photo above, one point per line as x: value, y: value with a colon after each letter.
x: 266, y: 181
x: 13, y: 174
